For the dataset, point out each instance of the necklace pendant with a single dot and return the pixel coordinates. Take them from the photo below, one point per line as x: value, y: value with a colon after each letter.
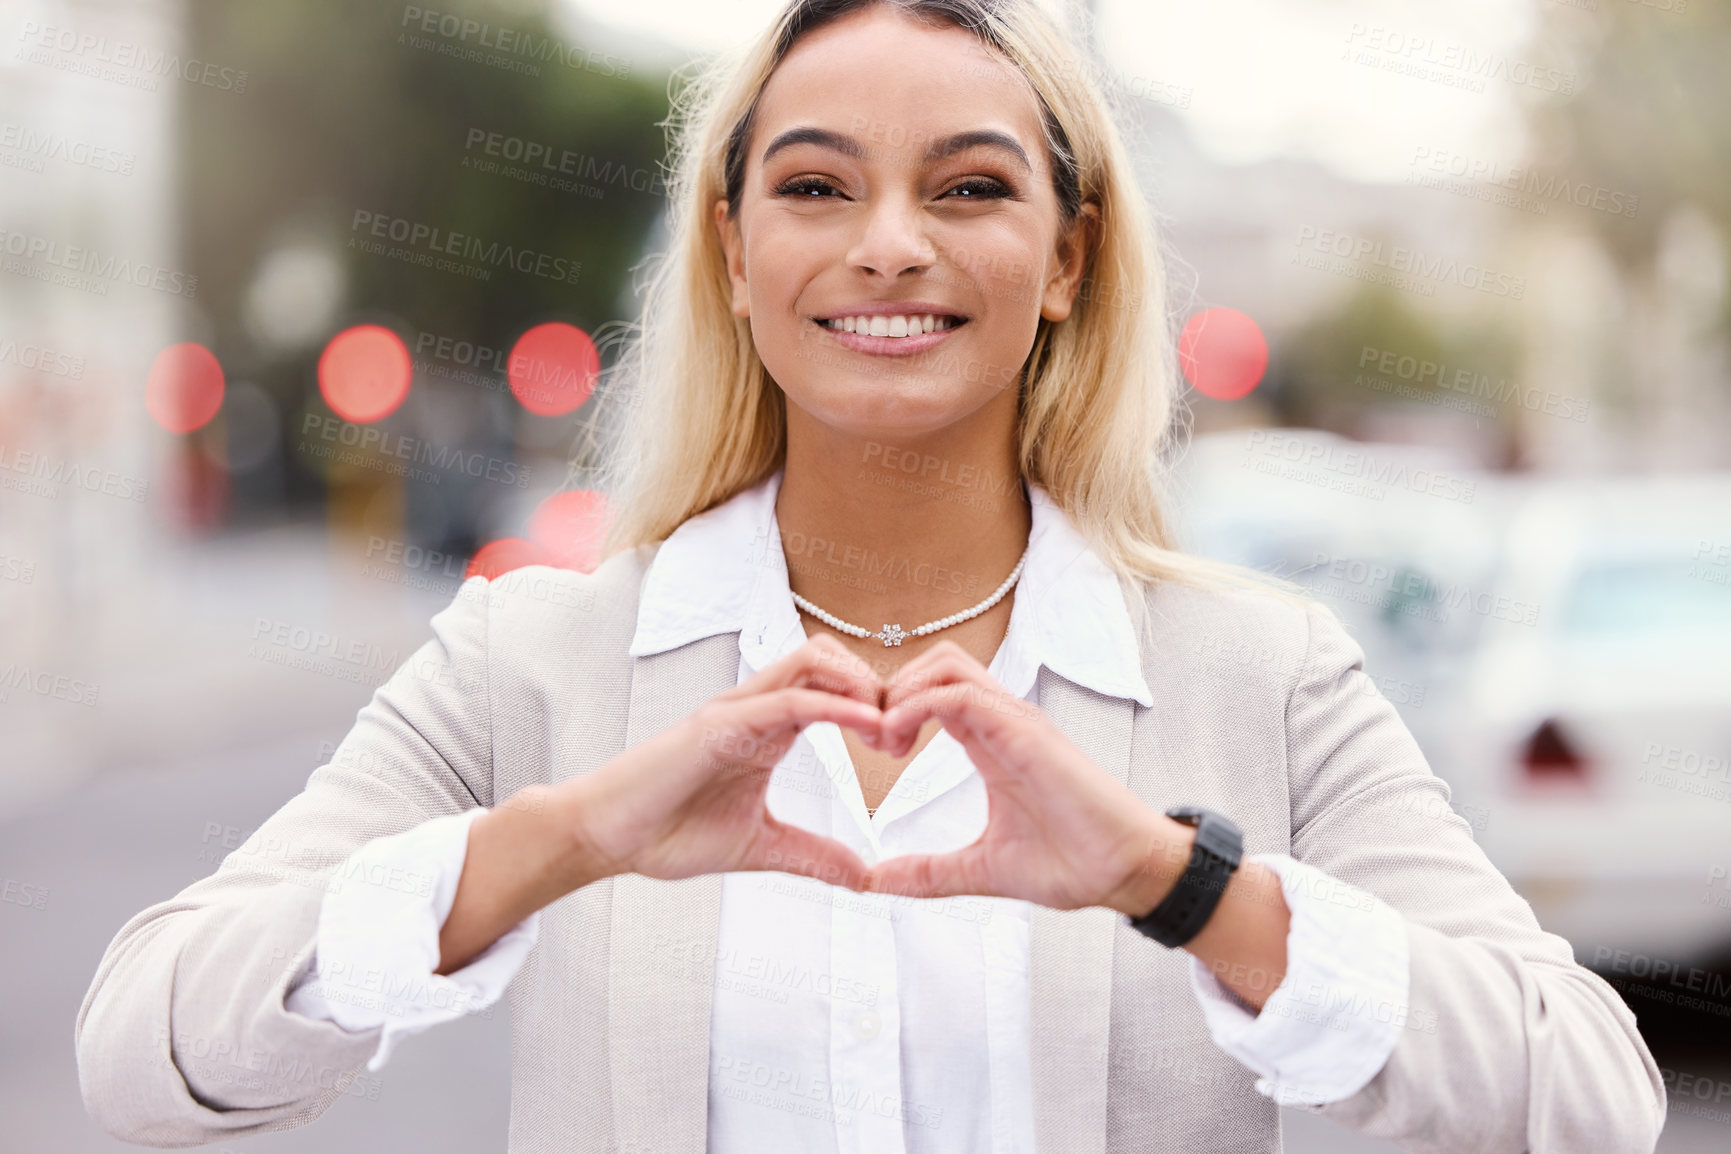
x: 892, y: 635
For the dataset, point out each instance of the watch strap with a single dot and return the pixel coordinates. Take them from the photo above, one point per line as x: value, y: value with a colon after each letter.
x: 1214, y: 857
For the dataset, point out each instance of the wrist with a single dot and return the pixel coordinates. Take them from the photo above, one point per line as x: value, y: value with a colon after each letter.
x: 537, y: 846
x: 561, y: 826
x: 1163, y: 850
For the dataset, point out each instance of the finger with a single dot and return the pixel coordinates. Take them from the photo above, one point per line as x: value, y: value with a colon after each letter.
x: 926, y: 875
x: 760, y: 728
x: 821, y: 663
x: 942, y: 663
x: 988, y: 713
x: 798, y: 851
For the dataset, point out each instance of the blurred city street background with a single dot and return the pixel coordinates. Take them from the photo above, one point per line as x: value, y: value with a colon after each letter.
x: 1452, y: 287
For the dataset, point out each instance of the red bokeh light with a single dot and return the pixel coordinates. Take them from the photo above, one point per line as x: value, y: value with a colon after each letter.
x: 496, y: 558
x: 1223, y: 353
x: 569, y: 526
x: 552, y: 368
x: 185, y: 387
x: 364, y: 373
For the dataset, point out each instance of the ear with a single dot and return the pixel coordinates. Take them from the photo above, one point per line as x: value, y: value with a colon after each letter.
x: 733, y: 250
x: 1072, y: 251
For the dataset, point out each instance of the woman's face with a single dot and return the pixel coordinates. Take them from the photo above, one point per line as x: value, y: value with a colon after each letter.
x: 896, y: 168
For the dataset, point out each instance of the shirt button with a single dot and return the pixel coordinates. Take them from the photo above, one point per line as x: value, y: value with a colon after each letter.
x: 866, y: 1024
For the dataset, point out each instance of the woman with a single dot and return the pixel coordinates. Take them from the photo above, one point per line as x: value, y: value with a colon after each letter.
x: 765, y: 874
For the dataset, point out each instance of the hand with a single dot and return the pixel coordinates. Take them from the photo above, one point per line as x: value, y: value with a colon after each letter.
x: 1060, y: 831
x: 691, y: 800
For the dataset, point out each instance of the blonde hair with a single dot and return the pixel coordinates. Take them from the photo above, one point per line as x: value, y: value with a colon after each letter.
x: 703, y: 420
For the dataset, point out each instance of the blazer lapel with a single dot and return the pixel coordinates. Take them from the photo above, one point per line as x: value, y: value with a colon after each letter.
x: 661, y: 948
x: 1070, y: 952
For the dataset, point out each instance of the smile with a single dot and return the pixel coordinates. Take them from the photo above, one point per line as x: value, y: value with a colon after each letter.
x: 892, y: 326
x: 891, y: 336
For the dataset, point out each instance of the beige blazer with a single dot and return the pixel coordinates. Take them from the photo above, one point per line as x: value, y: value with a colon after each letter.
x: 1261, y: 710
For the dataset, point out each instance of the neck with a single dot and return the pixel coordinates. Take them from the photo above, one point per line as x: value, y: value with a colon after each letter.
x: 908, y: 531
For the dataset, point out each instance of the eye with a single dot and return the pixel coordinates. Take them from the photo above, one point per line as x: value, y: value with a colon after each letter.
x: 805, y: 187
x: 980, y: 188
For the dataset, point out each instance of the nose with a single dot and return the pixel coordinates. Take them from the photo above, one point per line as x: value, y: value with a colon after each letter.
x: 894, y: 240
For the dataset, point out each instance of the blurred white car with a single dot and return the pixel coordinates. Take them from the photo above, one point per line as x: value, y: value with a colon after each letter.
x: 1374, y: 531
x: 1561, y: 649
x: 1597, y: 740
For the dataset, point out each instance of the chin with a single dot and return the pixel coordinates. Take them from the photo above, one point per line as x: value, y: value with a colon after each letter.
x: 873, y: 407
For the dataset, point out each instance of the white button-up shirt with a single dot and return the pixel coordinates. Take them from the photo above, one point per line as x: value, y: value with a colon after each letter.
x: 857, y: 1022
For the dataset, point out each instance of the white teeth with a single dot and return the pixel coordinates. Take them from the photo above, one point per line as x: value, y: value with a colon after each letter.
x: 896, y: 326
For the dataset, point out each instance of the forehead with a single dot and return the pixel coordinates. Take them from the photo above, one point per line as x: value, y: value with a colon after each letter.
x: 896, y: 83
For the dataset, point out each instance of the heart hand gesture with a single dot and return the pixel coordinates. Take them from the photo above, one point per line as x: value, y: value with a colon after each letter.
x: 1061, y: 832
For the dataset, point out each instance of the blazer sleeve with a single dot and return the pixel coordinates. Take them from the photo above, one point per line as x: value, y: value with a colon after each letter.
x: 1508, y: 1044
x: 183, y: 1037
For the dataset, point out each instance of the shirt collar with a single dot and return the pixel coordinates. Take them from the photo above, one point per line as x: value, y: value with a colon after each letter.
x: 723, y: 571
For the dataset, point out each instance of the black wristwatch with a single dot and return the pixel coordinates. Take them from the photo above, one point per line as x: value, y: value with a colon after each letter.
x: 1214, y: 858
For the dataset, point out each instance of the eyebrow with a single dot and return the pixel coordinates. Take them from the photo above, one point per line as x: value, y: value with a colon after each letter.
x: 937, y: 150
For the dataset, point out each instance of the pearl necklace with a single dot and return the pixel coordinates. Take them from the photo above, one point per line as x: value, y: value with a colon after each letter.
x: 893, y: 634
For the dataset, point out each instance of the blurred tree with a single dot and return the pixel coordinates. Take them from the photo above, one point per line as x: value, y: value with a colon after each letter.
x: 1648, y: 119
x: 1329, y: 374
x: 358, y: 108
x: 1649, y: 114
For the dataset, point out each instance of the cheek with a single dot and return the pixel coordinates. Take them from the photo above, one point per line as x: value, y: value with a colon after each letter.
x: 1011, y: 280
x: 776, y: 270
x: 1000, y: 259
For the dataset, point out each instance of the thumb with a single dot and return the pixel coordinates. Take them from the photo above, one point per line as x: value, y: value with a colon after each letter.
x: 926, y: 875
x: 798, y: 851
